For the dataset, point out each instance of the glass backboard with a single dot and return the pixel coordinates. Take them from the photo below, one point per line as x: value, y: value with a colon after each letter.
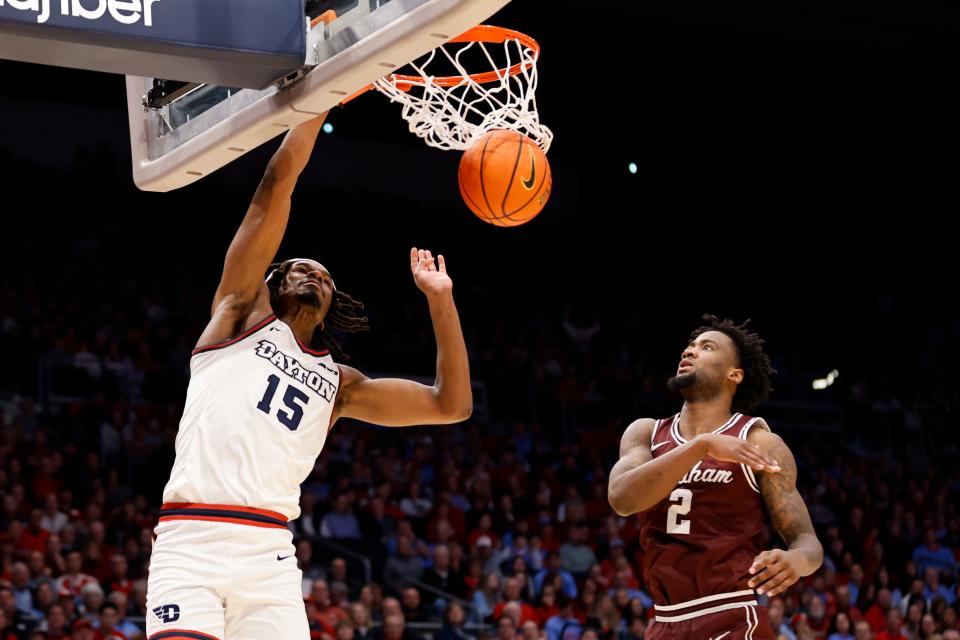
x: 181, y: 131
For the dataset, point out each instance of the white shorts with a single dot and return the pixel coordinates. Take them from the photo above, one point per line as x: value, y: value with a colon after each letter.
x: 220, y: 572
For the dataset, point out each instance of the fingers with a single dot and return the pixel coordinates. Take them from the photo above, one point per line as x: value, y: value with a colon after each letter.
x: 443, y: 264
x: 774, y: 580
x: 758, y: 460
x: 759, y: 453
x: 749, y: 458
x: 762, y: 560
x: 732, y: 449
x: 759, y: 579
x: 778, y: 583
x: 773, y: 573
x: 763, y: 581
x: 422, y: 259
x: 757, y: 464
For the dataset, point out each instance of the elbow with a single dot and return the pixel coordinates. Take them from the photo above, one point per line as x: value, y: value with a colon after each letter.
x: 451, y: 410
x: 457, y: 414
x: 618, y: 503
x: 627, y: 500
x: 623, y: 512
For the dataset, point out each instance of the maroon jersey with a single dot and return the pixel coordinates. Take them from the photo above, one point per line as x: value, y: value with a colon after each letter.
x: 700, y: 541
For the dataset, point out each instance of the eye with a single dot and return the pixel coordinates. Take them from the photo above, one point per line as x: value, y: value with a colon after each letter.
x: 708, y: 346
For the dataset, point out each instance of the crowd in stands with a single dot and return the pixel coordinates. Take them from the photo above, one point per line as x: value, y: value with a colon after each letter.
x: 497, y: 528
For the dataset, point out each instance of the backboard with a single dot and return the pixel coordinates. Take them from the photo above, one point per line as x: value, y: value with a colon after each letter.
x: 182, y: 131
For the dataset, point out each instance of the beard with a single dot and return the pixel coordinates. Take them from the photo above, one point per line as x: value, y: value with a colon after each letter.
x: 682, y: 381
x: 309, y: 297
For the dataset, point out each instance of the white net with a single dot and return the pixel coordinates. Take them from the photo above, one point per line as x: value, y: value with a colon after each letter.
x: 450, y: 112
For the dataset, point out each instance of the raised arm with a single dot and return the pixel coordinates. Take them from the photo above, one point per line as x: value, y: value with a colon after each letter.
x: 242, y: 298
x: 638, y: 481
x: 393, y: 402
x: 774, y: 571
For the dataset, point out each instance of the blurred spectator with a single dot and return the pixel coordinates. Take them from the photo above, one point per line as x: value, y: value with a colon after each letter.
x: 861, y: 631
x: 360, y: 619
x: 486, y: 598
x: 894, y: 628
x: 345, y: 630
x: 326, y: 611
x: 82, y: 629
x: 575, y: 556
x: 107, y: 629
x: 53, y: 520
x: 553, y: 570
x: 775, y: 611
x: 340, y: 523
x: 412, y: 606
x: 563, y: 626
x: 403, y: 567
x: 932, y: 587
x: 20, y: 582
x: 506, y: 628
x: 931, y: 554
x: 452, y: 629
x: 841, y: 628
x: 441, y: 576
x: 512, y: 589
x: 123, y: 625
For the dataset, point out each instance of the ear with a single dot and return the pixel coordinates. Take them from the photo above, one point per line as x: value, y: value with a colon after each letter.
x: 735, y: 376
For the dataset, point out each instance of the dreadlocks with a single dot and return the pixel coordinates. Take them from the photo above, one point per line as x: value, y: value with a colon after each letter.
x: 756, y: 366
x: 345, y: 314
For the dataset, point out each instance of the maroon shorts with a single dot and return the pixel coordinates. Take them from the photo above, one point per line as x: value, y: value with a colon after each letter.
x: 741, y: 623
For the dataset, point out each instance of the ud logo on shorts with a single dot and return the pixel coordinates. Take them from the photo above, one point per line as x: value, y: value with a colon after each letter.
x: 168, y: 613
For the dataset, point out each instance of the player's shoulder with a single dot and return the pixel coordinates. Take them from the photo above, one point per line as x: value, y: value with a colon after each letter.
x: 763, y: 436
x: 640, y: 425
x: 638, y: 432
x: 215, y: 338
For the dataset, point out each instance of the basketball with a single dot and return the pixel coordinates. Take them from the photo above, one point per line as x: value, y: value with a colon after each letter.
x: 505, y: 178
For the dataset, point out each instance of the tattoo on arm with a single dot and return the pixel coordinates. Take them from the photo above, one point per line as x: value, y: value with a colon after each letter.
x: 779, y: 490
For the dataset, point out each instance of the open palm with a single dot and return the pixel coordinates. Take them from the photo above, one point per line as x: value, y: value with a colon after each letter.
x: 429, y: 274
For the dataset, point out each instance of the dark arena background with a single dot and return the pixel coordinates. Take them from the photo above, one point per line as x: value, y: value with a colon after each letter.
x: 789, y: 161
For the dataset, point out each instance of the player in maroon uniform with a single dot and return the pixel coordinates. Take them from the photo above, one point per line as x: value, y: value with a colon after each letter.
x: 700, y: 481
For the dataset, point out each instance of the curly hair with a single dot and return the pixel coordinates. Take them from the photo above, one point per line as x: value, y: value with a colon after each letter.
x: 755, y: 386
x: 345, y: 313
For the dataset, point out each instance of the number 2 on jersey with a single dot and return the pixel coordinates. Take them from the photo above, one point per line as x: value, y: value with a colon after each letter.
x: 291, y: 420
x: 674, y: 523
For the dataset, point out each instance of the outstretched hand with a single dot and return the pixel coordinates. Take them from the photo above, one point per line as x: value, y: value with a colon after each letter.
x: 429, y: 274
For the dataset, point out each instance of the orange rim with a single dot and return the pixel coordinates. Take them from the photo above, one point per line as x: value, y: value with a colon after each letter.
x: 326, y: 17
x: 481, y: 33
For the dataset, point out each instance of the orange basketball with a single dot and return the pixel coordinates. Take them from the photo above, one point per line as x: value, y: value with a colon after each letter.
x: 505, y: 178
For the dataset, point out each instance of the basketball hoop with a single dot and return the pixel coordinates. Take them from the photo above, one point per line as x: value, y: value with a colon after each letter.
x: 451, y: 111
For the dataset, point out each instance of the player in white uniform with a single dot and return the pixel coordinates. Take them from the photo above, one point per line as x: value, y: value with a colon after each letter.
x: 264, y: 391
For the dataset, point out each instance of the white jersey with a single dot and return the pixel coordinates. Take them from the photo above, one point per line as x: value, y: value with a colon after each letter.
x: 256, y: 417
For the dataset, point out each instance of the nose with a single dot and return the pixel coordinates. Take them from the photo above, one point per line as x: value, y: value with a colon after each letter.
x: 688, y: 353
x: 316, y: 274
